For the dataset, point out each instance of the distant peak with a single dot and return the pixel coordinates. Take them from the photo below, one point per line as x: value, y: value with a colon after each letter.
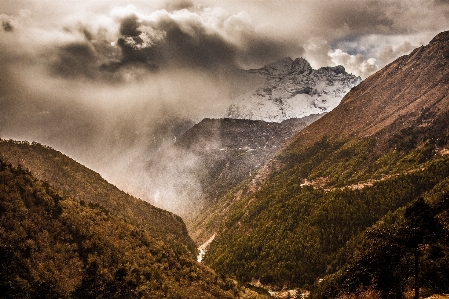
x: 301, y: 65
x: 287, y: 66
x: 339, y: 69
x: 279, y: 68
x: 300, y: 60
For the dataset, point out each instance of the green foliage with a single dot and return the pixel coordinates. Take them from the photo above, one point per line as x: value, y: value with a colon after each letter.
x: 385, y: 259
x: 346, y: 164
x: 57, y: 247
x: 288, y: 233
x: 74, y: 180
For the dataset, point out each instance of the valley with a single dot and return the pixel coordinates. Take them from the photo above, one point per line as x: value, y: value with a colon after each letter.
x: 182, y: 149
x: 215, y: 155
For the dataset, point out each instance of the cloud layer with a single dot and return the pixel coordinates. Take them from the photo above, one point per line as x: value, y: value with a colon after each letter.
x: 100, y: 39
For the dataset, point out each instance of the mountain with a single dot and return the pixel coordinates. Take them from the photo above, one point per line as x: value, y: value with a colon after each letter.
x: 71, y: 179
x: 409, y: 93
x: 289, y: 89
x: 311, y: 210
x: 215, y: 155
x: 59, y: 247
x: 133, y: 142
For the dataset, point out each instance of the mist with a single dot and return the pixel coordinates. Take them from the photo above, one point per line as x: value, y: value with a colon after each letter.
x: 113, y: 85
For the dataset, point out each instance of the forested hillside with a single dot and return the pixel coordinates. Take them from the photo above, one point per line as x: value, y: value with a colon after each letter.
x: 289, y: 232
x: 58, y: 247
x: 306, y: 213
x: 408, y: 255
x: 74, y: 180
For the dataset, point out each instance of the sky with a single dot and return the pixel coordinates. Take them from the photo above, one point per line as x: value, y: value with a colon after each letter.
x: 107, y: 81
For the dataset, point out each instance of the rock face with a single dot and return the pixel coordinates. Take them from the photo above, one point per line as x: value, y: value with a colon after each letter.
x: 232, y: 149
x: 290, y: 89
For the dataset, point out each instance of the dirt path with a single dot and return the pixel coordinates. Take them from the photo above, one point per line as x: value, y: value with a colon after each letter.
x: 320, y: 183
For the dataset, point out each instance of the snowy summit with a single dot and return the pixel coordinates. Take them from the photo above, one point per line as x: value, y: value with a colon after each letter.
x: 292, y: 89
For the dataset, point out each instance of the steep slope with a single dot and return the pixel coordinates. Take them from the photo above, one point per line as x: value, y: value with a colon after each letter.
x: 215, y: 155
x: 408, y: 93
x: 393, y: 253
x: 57, y: 247
x: 289, y: 89
x: 73, y: 180
x: 299, y: 217
x: 232, y: 149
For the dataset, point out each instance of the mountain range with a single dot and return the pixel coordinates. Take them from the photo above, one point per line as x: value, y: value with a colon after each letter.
x: 352, y: 176
x: 64, y: 212
x: 409, y: 93
x: 351, y: 203
x: 173, y: 177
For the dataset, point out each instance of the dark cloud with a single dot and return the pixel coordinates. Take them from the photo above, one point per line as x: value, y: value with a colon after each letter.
x: 86, y: 32
x: 166, y: 45
x: 354, y: 18
x: 149, y: 46
x: 178, y: 5
x: 170, y: 43
x: 258, y: 50
x: 129, y: 26
x: 196, y: 48
x: 7, y: 26
x: 133, y: 55
x: 134, y: 49
x: 75, y: 60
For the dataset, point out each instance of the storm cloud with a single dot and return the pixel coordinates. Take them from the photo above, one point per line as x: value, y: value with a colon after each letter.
x: 210, y: 40
x: 182, y: 42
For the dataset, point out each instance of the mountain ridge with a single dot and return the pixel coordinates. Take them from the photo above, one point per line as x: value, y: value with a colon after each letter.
x: 58, y: 247
x: 213, y: 156
x: 78, y: 182
x: 426, y: 87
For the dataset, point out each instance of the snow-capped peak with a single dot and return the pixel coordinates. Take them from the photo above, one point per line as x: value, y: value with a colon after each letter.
x: 292, y: 89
